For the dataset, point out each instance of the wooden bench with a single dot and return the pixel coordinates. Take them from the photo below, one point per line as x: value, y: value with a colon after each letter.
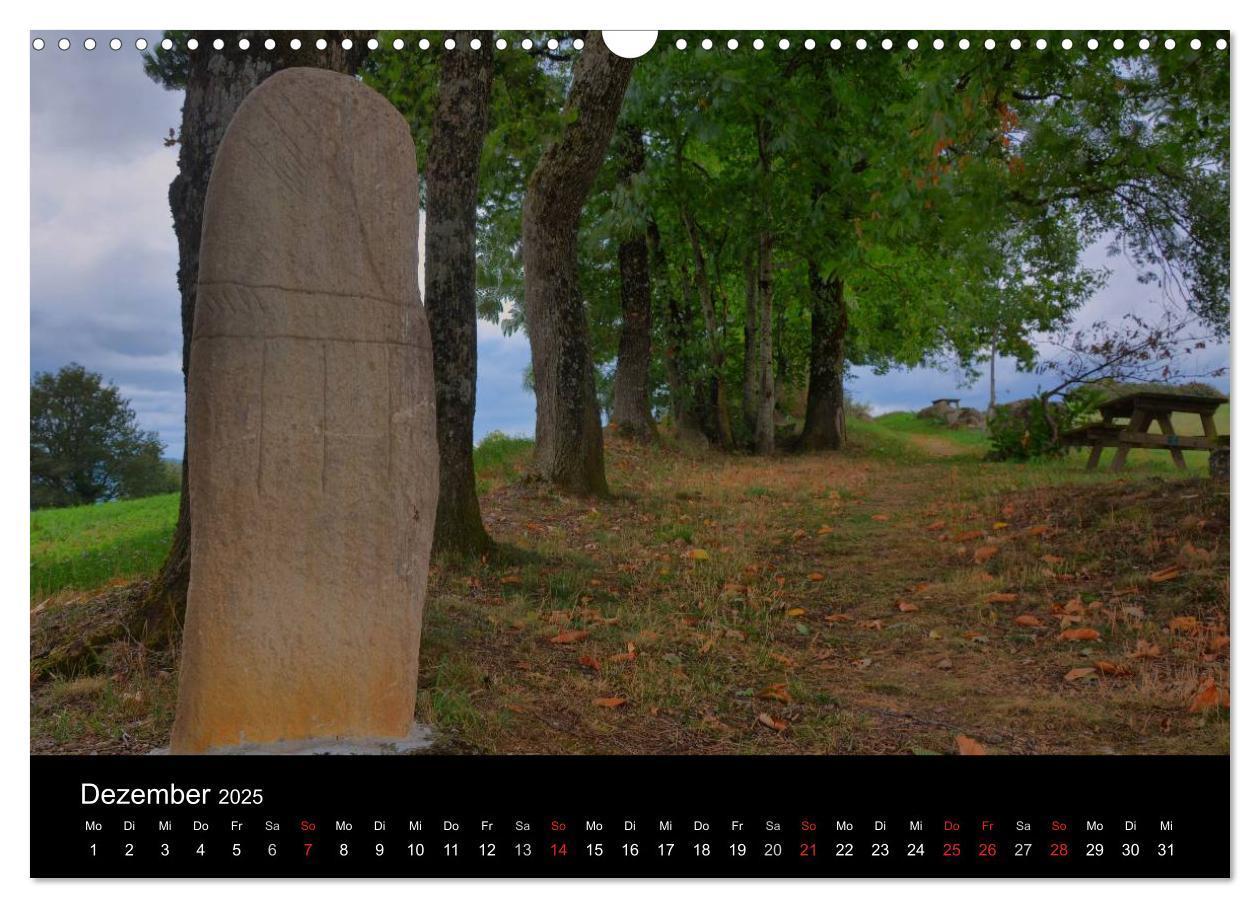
x: 1142, y: 409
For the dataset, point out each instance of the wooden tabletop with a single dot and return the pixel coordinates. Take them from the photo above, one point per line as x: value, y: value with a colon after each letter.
x: 1159, y: 401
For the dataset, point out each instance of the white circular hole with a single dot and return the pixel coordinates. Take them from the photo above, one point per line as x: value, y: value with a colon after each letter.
x: 939, y: 43
x: 758, y: 44
x: 1041, y: 44
x: 963, y: 44
x: 578, y: 44
x: 115, y: 44
x: 527, y: 44
x: 424, y: 44
x: 810, y: 43
x: 732, y: 44
x: 989, y: 44
x: 861, y: 44
x: 1092, y: 44
x: 707, y: 44
x: 784, y: 44
x: 64, y: 44
x: 193, y: 44
x: 270, y: 44
x: 475, y: 44
x: 373, y: 44
x: 89, y: 44
x: 38, y: 43
x: 321, y: 44
x: 295, y: 44
x: 886, y: 44
x: 346, y: 43
x: 218, y: 44
x: 141, y: 44
x: 167, y: 44
x: 1221, y: 44
x: 1144, y: 44
x: 913, y: 44
x: 501, y: 44
x: 681, y: 44
x: 1118, y: 44
x: 835, y: 43
x: 553, y: 44
x: 1195, y: 43
x: 449, y: 43
x: 1067, y: 43
x: 1016, y: 44
x: 243, y: 44
x: 1169, y: 44
x: 398, y: 44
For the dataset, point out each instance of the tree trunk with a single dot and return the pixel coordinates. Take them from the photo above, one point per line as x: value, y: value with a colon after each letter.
x: 824, y: 407
x: 569, y: 445
x: 450, y: 281
x: 992, y: 408
x: 752, y: 383
x: 764, y: 443
x: 632, y: 390
x: 717, y: 357
x: 686, y: 421
x: 215, y: 85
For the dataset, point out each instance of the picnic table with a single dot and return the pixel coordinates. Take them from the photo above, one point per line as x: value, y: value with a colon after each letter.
x: 1141, y: 409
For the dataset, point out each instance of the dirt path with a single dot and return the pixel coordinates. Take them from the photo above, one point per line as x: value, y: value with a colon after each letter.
x: 937, y: 446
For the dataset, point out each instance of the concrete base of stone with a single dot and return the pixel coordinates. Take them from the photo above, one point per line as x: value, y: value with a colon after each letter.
x: 419, y: 739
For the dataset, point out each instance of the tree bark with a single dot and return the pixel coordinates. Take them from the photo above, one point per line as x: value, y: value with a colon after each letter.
x: 632, y: 390
x: 569, y: 444
x: 764, y: 442
x: 450, y: 281
x: 824, y: 407
x: 717, y: 357
x: 215, y: 85
x: 751, y: 381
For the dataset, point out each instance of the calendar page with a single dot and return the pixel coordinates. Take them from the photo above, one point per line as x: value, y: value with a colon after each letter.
x: 565, y: 453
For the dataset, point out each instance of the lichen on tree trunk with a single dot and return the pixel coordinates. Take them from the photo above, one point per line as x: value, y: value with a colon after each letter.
x: 450, y: 281
x: 569, y: 445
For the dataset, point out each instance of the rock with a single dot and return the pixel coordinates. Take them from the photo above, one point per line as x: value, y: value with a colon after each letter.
x: 311, y: 420
x: 968, y: 418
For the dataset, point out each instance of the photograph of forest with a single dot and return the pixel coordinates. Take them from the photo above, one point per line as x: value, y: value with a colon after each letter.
x: 834, y: 393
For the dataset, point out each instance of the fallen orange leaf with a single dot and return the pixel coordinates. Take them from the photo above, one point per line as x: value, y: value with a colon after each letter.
x: 1106, y: 667
x: 984, y: 553
x: 776, y: 692
x: 609, y: 702
x: 1185, y: 623
x: 968, y: 535
x: 1039, y: 530
x: 1077, y: 674
x: 969, y: 747
x: 770, y: 721
x: 1209, y: 696
x: 815, y: 576
x: 698, y: 555
x: 904, y: 606
x: 995, y: 598
x: 589, y: 661
x: 570, y: 636
x: 935, y: 525
x: 795, y: 612
x: 1080, y: 633
x: 1029, y: 621
x: 880, y: 517
x: 1168, y: 573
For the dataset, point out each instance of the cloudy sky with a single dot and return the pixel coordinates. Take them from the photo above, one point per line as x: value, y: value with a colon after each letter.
x: 103, y: 256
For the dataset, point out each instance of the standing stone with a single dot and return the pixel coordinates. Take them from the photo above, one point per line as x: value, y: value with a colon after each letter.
x: 312, y: 435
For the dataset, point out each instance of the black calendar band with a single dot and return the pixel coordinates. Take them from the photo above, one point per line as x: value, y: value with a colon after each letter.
x: 604, y: 816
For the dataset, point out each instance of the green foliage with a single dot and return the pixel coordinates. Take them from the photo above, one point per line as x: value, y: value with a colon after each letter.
x: 1031, y: 429
x: 86, y: 445
x: 86, y: 547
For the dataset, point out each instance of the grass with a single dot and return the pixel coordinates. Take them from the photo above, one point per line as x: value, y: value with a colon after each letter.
x: 87, y: 547
x: 827, y: 603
